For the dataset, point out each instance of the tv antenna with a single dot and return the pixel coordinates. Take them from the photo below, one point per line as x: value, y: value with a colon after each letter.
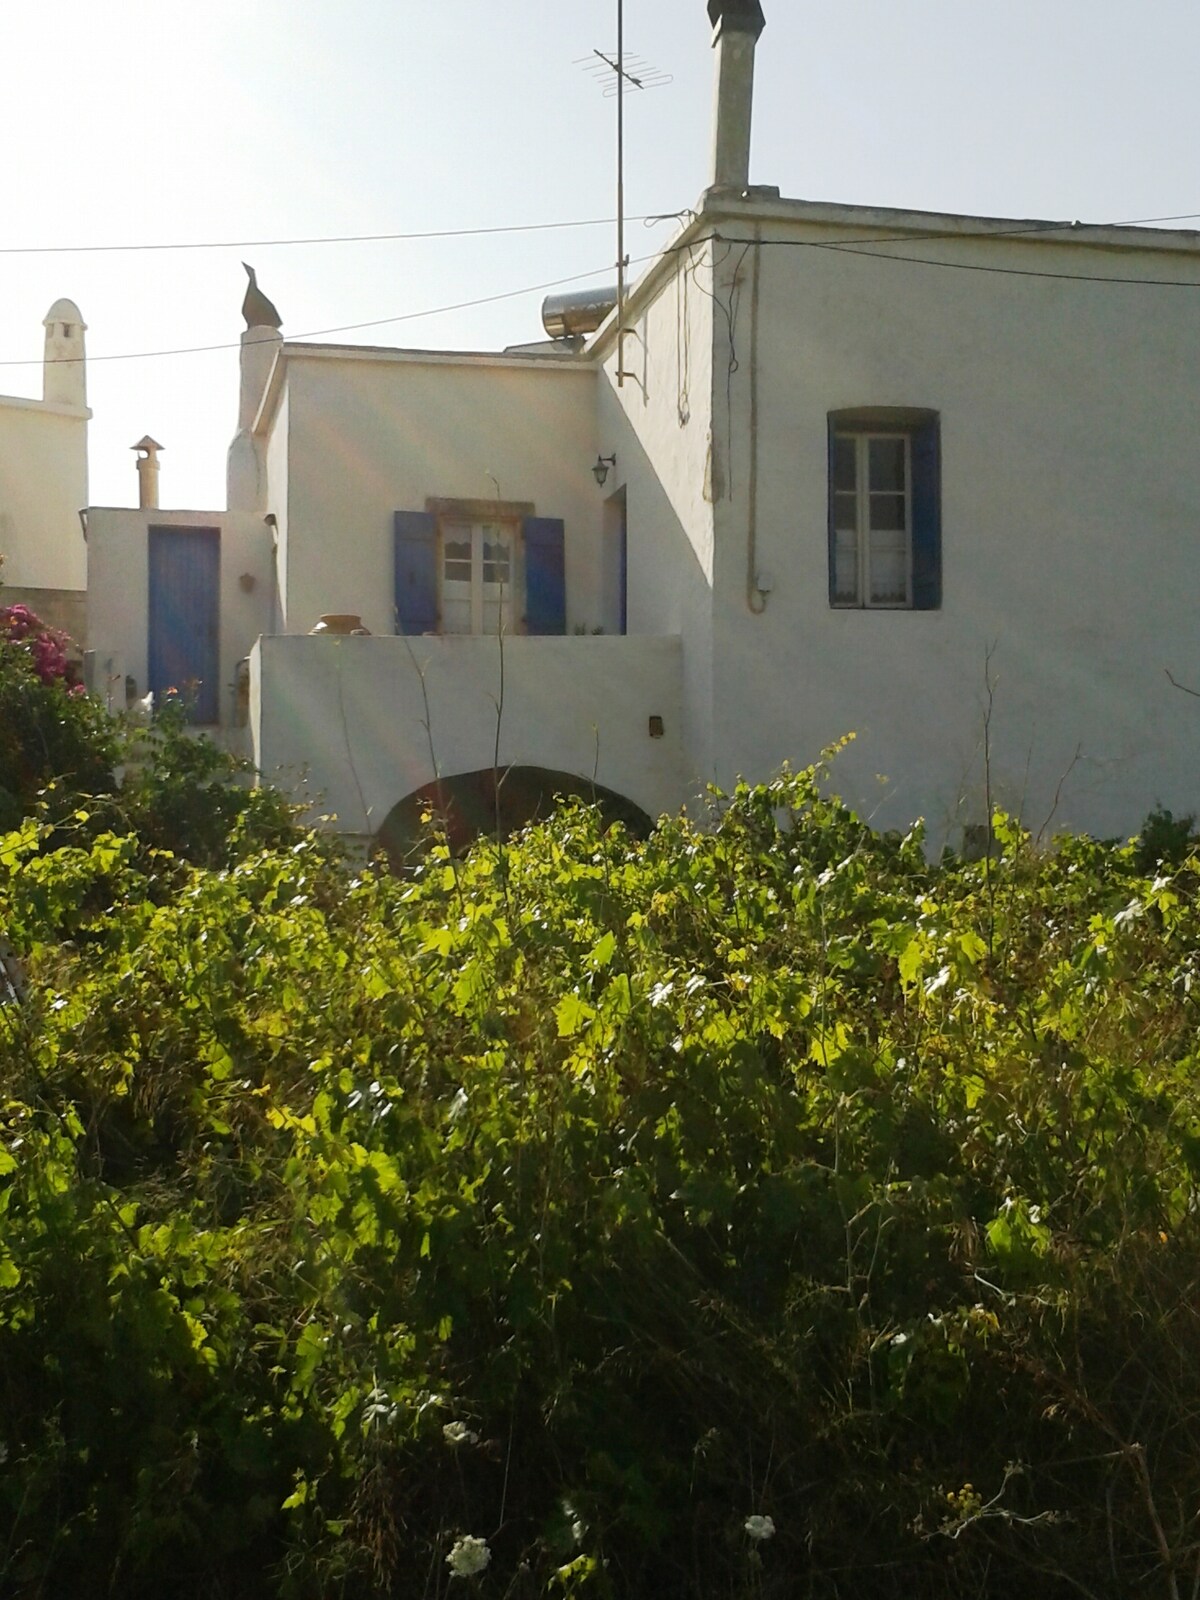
x: 618, y: 72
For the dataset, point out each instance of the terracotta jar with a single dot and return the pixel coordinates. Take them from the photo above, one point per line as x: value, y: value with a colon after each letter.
x: 341, y: 623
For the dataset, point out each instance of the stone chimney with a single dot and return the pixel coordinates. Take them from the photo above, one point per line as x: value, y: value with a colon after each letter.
x: 245, y: 466
x: 736, y: 27
x: 147, y: 466
x: 64, y: 373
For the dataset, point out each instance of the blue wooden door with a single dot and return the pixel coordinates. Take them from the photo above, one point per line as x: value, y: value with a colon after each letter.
x: 185, y: 567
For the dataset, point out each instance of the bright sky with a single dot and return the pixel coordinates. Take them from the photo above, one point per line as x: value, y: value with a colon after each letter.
x: 239, y: 120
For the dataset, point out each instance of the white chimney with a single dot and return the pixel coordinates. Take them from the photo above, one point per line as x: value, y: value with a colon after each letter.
x: 64, y: 373
x: 147, y: 465
x: 736, y: 27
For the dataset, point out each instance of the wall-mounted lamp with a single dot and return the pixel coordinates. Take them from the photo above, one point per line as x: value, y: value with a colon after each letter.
x: 600, y: 470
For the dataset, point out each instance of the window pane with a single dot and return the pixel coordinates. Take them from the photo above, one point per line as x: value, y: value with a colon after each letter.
x: 845, y: 511
x: 887, y: 512
x: 887, y: 464
x: 845, y: 569
x: 889, y: 578
x: 495, y: 562
x: 889, y: 569
x: 457, y: 560
x: 844, y: 456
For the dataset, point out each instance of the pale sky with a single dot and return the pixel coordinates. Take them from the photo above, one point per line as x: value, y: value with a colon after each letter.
x: 238, y: 120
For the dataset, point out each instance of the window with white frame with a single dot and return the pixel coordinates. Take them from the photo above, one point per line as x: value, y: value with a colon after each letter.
x: 479, y: 567
x: 477, y: 573
x: 871, y: 519
x: 884, y: 509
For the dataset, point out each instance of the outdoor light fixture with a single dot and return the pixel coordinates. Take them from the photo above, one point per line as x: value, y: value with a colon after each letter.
x: 600, y: 470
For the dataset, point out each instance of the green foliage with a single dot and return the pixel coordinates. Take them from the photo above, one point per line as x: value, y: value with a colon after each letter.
x: 750, y: 1210
x: 183, y: 794
x: 54, y: 742
x: 1164, y: 838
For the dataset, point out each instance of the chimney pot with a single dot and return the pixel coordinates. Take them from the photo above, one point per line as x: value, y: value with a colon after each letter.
x: 737, y: 25
x: 147, y: 466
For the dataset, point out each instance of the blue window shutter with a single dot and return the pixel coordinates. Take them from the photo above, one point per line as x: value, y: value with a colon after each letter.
x: 829, y: 534
x: 416, y: 572
x: 926, y: 517
x: 545, y: 575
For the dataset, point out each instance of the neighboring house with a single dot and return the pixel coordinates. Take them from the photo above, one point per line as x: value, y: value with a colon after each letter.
x: 930, y: 479
x: 43, y: 481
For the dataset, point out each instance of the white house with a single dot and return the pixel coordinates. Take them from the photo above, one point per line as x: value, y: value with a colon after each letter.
x: 928, y: 479
x: 43, y: 481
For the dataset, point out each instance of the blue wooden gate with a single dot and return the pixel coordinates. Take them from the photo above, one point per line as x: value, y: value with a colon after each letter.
x: 183, y: 654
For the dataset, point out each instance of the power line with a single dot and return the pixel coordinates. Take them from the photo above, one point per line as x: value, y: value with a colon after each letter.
x: 1029, y: 229
x: 843, y: 247
x: 347, y: 238
x: 349, y: 327
x: 848, y: 248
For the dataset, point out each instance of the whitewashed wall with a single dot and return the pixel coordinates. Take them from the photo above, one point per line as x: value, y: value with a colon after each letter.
x: 373, y: 433
x: 118, y: 596
x: 43, y: 488
x: 1070, y: 533
x: 340, y: 723
x: 659, y: 424
x: 1070, y: 513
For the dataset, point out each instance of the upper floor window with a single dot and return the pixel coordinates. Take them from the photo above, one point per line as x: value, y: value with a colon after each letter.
x: 884, y: 509
x: 479, y: 567
x: 478, y: 562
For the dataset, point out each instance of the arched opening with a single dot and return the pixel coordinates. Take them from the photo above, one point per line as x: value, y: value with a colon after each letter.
x: 493, y: 800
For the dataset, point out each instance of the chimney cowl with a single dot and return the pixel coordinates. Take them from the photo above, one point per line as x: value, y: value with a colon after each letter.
x: 746, y: 16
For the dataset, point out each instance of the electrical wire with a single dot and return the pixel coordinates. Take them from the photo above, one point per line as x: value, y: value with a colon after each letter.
x: 346, y: 238
x: 1029, y: 229
x: 349, y: 327
x: 843, y: 247
x: 847, y: 248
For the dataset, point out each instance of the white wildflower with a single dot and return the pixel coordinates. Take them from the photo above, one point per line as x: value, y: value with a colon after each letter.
x: 759, y: 1528
x: 459, y: 1433
x: 469, y: 1557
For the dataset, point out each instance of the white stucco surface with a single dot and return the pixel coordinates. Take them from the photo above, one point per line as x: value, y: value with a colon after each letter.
x: 43, y: 487
x: 1070, y: 531
x: 118, y: 596
x: 658, y: 422
x: 340, y: 723
x: 370, y: 433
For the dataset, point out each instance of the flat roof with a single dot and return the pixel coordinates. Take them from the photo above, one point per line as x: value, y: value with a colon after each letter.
x: 759, y: 205
x: 878, y: 225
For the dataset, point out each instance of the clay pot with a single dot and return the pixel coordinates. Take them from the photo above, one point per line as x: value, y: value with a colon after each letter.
x: 341, y: 623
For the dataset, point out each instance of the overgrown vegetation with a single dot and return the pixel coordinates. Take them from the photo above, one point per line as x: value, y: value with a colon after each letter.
x: 752, y: 1210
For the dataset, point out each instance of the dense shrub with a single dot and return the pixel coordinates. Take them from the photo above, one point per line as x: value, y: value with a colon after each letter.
x: 50, y: 733
x: 752, y: 1210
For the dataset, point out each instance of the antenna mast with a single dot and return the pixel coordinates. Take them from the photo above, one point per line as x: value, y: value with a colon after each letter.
x: 640, y: 75
x: 620, y: 194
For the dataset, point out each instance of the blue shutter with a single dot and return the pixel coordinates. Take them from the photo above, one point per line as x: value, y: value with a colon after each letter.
x: 829, y: 533
x: 926, y: 517
x: 416, y: 572
x: 184, y: 621
x: 545, y: 575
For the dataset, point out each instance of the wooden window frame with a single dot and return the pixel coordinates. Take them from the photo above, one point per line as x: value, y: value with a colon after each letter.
x: 862, y: 439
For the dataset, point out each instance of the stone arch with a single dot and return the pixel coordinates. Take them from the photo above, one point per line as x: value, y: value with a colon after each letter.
x: 468, y: 802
